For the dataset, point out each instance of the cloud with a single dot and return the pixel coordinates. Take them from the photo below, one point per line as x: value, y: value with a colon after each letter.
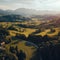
x: 33, y: 4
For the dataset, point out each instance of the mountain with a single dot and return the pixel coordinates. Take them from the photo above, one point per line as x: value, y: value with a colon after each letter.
x: 20, y: 11
x: 28, y: 12
x: 5, y: 12
x: 25, y: 12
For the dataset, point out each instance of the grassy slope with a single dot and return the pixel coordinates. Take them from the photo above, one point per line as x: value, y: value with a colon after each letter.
x: 21, y: 45
x: 46, y: 32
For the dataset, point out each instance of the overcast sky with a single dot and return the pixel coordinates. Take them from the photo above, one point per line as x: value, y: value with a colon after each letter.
x: 32, y: 4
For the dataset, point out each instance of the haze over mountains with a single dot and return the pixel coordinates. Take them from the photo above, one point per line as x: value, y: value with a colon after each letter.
x: 27, y: 12
x: 23, y: 14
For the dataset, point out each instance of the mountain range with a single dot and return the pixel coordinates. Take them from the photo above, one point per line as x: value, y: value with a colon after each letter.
x: 27, y: 12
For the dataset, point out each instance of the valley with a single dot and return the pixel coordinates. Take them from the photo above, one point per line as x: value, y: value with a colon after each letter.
x: 28, y: 35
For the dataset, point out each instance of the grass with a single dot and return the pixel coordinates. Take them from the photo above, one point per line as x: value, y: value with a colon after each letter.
x: 27, y: 32
x: 46, y: 32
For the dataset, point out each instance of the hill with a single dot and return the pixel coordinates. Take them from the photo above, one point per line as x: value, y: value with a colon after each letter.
x: 12, y: 18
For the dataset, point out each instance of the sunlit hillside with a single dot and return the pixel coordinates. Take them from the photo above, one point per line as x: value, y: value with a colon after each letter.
x: 29, y: 50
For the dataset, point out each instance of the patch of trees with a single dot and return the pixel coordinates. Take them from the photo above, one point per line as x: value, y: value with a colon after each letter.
x: 59, y: 34
x: 36, y: 55
x: 7, y: 57
x: 12, y: 28
x: 25, y: 26
x: 20, y: 54
x: 4, y: 55
x: 38, y: 39
x: 51, y: 52
x: 13, y: 18
x: 51, y: 31
x: 7, y: 41
x: 20, y: 36
x: 3, y: 33
x: 35, y: 39
x: 13, y: 54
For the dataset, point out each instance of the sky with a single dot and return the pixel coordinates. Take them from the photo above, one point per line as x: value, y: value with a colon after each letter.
x: 30, y: 4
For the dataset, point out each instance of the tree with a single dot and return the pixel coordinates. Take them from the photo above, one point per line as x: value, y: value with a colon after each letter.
x: 37, y: 55
x: 21, y: 55
x: 46, y: 38
x: 12, y: 49
x: 37, y: 39
x: 59, y: 34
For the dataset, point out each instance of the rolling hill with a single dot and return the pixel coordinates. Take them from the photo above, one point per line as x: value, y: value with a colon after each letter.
x: 12, y: 18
